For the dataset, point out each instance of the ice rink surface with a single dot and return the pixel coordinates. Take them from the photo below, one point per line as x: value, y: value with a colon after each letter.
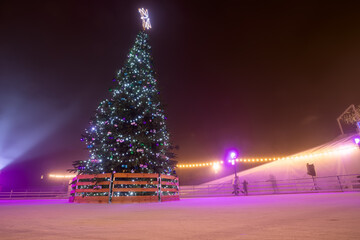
x: 298, y: 216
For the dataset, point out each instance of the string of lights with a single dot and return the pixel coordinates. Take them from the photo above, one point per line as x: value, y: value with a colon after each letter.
x: 217, y: 164
x: 259, y: 160
x: 69, y: 176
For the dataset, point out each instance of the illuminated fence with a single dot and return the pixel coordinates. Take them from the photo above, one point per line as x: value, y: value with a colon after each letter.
x: 339, y: 183
x: 124, y: 188
x: 91, y: 188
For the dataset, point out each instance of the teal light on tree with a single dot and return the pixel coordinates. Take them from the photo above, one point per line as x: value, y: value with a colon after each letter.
x: 128, y: 132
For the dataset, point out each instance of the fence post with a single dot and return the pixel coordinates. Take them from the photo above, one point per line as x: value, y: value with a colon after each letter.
x: 178, y: 187
x: 11, y: 193
x: 111, y: 185
x: 76, y: 186
x: 340, y: 183
x: 159, y: 187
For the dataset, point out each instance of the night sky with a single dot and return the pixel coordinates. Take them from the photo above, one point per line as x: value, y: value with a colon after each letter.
x: 266, y: 77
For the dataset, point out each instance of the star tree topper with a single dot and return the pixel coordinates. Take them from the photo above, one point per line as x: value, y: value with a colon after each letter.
x: 145, y: 18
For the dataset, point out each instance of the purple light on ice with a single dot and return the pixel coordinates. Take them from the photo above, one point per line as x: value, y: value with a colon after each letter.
x: 357, y: 140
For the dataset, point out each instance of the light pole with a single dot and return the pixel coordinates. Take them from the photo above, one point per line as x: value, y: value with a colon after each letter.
x: 357, y: 141
x: 233, y: 161
x: 233, y: 156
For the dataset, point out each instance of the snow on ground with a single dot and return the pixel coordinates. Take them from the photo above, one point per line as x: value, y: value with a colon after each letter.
x: 298, y: 216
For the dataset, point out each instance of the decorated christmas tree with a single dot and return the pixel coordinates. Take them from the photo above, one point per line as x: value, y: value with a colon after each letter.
x: 128, y: 132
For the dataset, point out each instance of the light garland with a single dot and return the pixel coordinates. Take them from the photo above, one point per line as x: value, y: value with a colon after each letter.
x: 259, y: 160
x: 69, y: 176
x: 208, y: 164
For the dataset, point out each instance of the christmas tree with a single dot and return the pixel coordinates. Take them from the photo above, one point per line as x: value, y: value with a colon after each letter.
x: 128, y: 132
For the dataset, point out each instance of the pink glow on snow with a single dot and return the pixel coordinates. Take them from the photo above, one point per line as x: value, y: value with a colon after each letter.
x: 290, y: 216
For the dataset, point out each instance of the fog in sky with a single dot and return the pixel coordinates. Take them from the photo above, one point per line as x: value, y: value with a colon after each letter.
x: 266, y: 77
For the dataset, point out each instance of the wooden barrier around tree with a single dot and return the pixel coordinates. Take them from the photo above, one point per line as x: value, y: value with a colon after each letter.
x: 124, y: 188
x: 91, y: 188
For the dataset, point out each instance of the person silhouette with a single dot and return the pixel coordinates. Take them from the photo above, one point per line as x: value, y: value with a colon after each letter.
x: 245, y: 187
x: 236, y: 186
x: 273, y: 183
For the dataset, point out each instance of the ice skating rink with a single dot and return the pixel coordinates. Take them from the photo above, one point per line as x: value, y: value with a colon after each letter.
x: 297, y: 216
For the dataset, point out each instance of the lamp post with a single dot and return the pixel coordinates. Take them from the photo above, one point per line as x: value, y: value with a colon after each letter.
x: 236, y: 180
x: 357, y: 141
x: 233, y: 157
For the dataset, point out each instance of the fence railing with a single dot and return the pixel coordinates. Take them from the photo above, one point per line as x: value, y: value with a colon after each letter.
x: 137, y: 187
x: 13, y: 195
x: 301, y: 185
x: 124, y: 188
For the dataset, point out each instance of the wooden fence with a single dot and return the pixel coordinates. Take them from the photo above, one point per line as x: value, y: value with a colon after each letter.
x: 124, y: 188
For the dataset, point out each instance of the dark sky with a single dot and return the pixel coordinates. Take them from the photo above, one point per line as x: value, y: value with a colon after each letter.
x: 267, y: 77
